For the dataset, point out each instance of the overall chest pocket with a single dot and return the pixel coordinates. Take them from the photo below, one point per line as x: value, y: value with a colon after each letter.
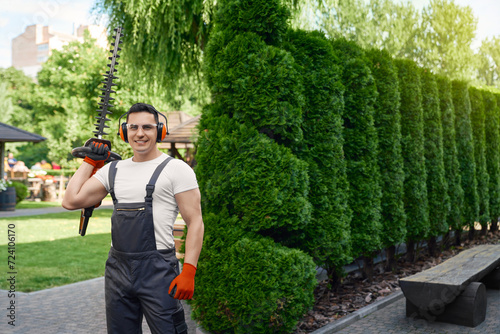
x: 132, y: 228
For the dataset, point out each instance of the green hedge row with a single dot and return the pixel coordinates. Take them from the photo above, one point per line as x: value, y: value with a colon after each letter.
x: 314, y: 152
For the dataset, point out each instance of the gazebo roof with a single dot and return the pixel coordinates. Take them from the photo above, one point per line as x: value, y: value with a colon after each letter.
x: 9, y: 133
x: 184, y: 132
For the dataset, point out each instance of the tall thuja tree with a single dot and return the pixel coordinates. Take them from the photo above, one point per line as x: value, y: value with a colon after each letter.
x: 450, y: 158
x: 482, y: 177
x: 327, y: 237
x: 465, y: 149
x: 360, y: 148
x: 390, y: 160
x: 437, y: 187
x: 254, y: 189
x: 492, y: 131
x: 412, y: 133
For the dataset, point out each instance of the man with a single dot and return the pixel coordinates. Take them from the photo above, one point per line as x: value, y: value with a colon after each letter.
x: 148, y: 191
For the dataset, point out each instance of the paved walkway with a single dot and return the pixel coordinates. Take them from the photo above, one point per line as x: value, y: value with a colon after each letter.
x: 71, y: 309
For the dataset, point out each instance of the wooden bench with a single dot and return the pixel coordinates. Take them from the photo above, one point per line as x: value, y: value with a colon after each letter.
x: 455, y: 290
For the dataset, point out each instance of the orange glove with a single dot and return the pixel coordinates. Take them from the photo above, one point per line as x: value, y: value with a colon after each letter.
x: 98, y: 155
x: 184, y: 282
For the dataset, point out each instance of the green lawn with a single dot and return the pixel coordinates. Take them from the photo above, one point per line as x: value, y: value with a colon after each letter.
x: 36, y: 205
x: 49, y: 252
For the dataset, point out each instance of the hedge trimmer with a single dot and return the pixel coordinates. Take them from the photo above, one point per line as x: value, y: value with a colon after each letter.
x: 104, y: 105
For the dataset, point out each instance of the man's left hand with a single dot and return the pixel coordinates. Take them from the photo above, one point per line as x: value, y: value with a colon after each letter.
x: 184, y: 282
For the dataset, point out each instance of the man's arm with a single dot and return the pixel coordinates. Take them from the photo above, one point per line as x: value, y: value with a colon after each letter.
x: 190, y: 209
x: 83, y: 191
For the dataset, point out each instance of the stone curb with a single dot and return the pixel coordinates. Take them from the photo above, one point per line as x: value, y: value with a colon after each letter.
x: 359, y: 314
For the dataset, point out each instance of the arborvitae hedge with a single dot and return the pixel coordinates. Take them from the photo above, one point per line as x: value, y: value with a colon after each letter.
x: 478, y: 135
x: 360, y: 148
x: 390, y: 160
x: 254, y: 189
x: 465, y: 149
x: 450, y: 158
x: 437, y: 187
x: 492, y: 131
x: 327, y: 237
x: 412, y: 131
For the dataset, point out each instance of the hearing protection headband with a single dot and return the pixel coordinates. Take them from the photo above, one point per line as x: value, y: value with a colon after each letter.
x: 162, y: 130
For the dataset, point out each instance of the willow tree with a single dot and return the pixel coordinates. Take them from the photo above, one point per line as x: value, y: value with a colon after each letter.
x: 450, y: 157
x: 482, y: 177
x: 360, y: 149
x: 437, y: 187
x: 387, y: 120
x: 413, y: 141
x: 465, y: 148
x: 492, y: 131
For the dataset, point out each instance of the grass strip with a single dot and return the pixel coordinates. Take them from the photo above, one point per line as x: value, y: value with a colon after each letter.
x: 46, y: 264
x: 53, y: 226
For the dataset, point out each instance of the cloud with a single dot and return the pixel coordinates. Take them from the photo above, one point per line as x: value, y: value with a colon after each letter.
x: 44, y: 11
x: 4, y: 22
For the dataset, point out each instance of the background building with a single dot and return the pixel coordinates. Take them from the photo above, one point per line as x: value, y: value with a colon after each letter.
x: 34, y: 46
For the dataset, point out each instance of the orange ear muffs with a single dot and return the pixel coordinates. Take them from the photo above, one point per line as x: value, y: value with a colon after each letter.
x: 162, y: 132
x: 123, y: 132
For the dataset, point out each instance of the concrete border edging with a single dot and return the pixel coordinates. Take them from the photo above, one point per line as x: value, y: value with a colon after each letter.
x: 338, y: 325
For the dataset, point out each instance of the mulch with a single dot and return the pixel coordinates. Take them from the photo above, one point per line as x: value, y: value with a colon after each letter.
x: 356, y: 292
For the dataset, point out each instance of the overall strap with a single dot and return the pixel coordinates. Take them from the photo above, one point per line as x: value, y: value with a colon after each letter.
x: 150, y: 188
x: 111, y: 178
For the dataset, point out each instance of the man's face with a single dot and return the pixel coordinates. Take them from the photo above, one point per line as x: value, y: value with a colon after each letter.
x: 142, y: 141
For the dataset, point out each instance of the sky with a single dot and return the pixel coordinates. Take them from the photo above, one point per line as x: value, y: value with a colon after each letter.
x: 66, y: 15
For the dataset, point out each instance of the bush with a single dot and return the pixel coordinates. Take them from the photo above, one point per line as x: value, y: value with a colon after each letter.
x: 243, y: 287
x: 450, y: 158
x: 437, y: 187
x: 327, y: 237
x: 390, y: 160
x: 21, y: 191
x: 465, y: 149
x: 492, y: 126
x: 360, y: 148
x: 254, y: 188
x: 479, y: 141
x: 412, y: 131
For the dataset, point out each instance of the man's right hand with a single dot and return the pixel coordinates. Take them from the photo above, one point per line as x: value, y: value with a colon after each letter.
x: 98, y: 155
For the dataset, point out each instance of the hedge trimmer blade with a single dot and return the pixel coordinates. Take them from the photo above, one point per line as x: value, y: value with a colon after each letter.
x: 108, y: 85
x: 104, y: 105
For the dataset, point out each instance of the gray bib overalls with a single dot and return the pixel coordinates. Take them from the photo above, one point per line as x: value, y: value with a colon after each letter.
x: 138, y: 275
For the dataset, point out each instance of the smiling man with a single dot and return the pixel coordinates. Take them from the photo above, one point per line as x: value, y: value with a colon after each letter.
x: 148, y: 191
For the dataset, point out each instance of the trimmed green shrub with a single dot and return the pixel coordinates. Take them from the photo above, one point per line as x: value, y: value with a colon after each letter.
x: 492, y: 130
x: 254, y: 189
x: 450, y: 158
x: 412, y: 132
x: 249, y: 76
x: 390, y: 160
x: 465, y: 149
x: 21, y: 191
x: 437, y: 187
x: 244, y: 288
x: 268, y: 19
x: 254, y: 178
x: 478, y: 135
x: 327, y: 237
x: 360, y: 149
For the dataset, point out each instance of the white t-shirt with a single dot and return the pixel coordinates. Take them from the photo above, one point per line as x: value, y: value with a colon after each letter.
x: 130, y: 187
